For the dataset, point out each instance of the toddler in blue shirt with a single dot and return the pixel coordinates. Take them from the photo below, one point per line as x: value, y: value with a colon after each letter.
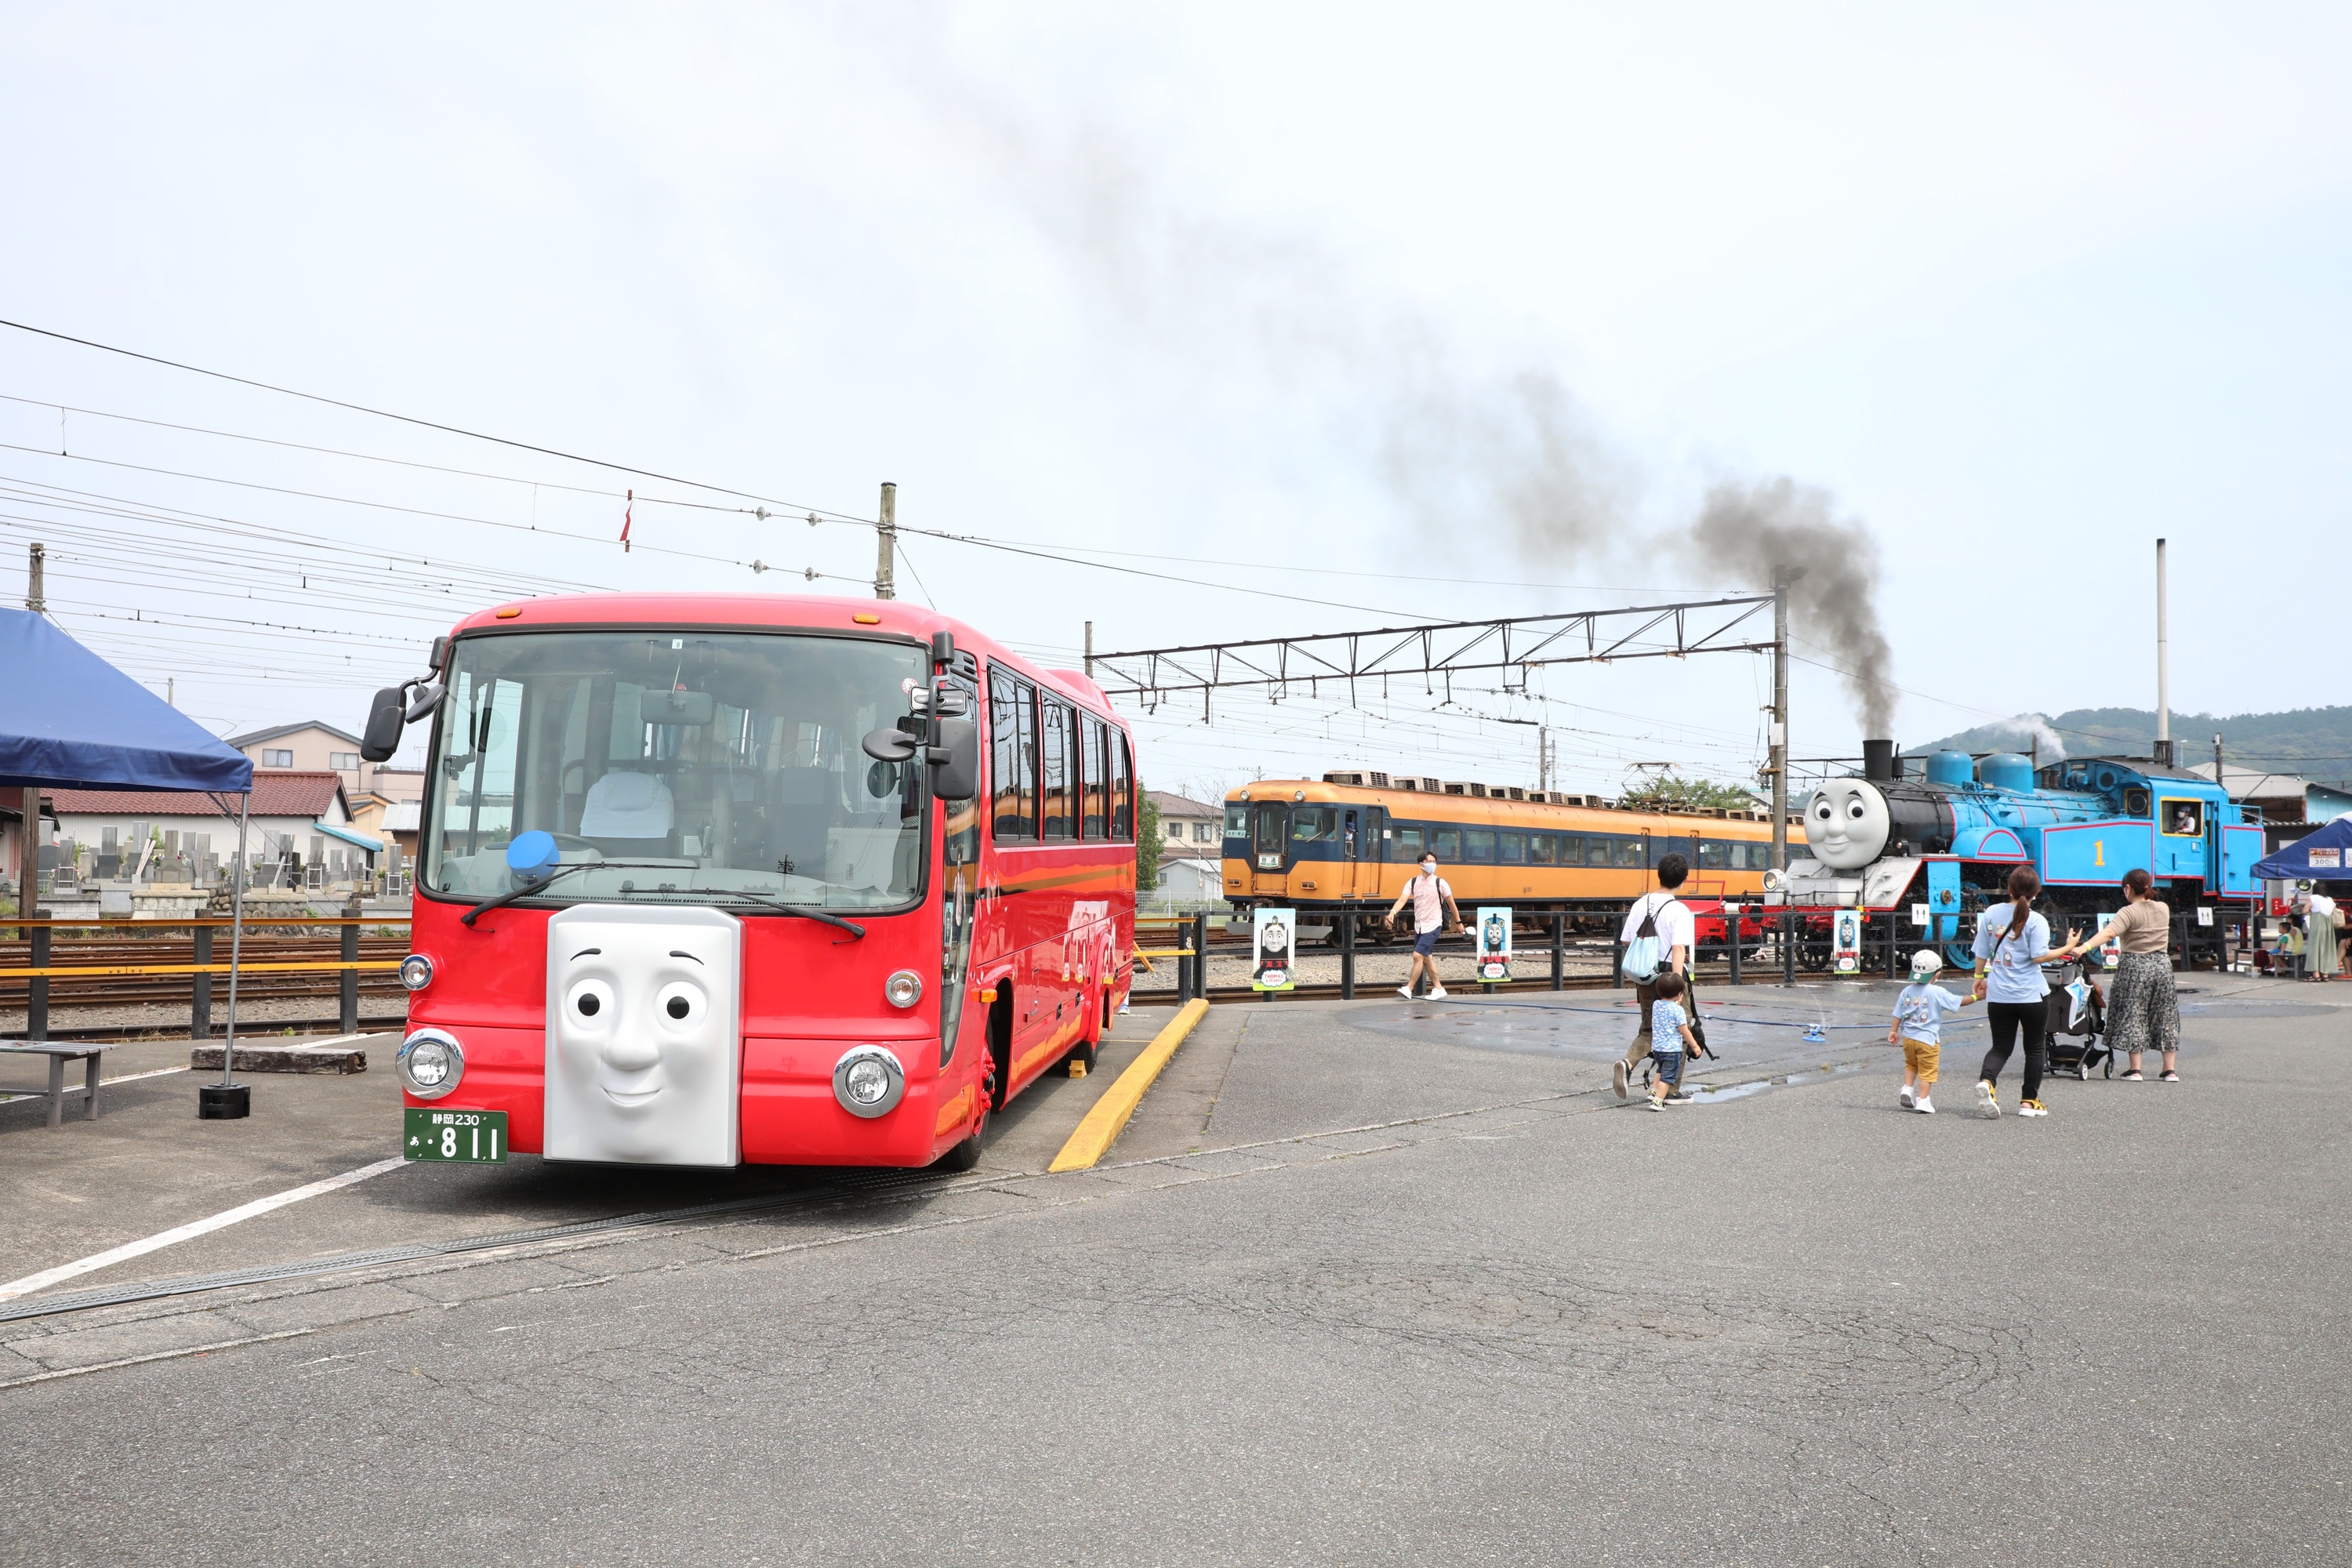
x: 1670, y: 1038
x: 1919, y: 1015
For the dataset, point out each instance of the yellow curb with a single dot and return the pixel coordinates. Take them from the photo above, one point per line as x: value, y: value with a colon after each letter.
x: 1104, y: 1123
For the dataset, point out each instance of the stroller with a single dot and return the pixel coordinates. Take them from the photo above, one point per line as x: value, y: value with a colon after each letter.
x: 2074, y: 1034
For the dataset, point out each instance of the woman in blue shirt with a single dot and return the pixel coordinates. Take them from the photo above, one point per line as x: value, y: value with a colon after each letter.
x: 2012, y: 941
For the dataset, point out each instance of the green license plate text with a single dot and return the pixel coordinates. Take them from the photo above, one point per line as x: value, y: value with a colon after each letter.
x: 467, y: 1137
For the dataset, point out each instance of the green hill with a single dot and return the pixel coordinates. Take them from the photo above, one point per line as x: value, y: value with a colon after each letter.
x: 2315, y: 743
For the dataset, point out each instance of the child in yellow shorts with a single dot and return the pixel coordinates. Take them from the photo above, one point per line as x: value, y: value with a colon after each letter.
x: 1919, y: 1015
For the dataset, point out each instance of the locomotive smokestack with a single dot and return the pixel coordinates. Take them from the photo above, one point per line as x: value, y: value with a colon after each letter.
x: 1878, y: 761
x: 2163, y: 696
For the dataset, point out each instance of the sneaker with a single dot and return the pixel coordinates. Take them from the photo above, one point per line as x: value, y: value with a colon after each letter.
x: 2169, y: 1077
x: 1910, y: 1100
x: 1617, y: 1077
x: 1437, y: 994
x: 1926, y: 1107
x: 1657, y: 1105
x: 1405, y: 991
x: 1988, y: 1100
x: 2132, y: 1077
x: 1678, y: 1095
x: 2032, y: 1107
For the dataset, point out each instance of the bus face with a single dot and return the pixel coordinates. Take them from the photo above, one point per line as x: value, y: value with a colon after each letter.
x: 669, y: 996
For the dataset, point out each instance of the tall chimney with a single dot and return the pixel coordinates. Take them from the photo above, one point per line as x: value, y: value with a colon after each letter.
x: 2163, y: 696
x: 1878, y: 761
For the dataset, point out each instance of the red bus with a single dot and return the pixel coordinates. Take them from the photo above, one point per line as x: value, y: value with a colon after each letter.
x: 710, y: 879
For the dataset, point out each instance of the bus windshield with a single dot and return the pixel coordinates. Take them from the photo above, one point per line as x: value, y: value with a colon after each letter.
x: 698, y: 763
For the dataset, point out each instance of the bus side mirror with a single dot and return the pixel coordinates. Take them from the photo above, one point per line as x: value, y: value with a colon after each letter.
x: 387, y: 716
x: 954, y: 759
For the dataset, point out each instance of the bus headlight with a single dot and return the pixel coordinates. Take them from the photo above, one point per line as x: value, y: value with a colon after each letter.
x: 430, y: 1064
x: 904, y: 989
x: 868, y: 1082
x: 416, y: 972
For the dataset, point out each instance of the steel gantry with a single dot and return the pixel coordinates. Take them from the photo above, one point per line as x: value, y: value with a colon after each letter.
x: 1438, y: 651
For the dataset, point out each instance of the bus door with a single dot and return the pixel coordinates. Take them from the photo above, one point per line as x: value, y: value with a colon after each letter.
x: 1270, y: 848
x: 1362, y: 830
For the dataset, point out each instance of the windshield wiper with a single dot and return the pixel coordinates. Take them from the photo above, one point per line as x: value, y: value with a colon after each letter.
x: 803, y: 910
x: 512, y: 894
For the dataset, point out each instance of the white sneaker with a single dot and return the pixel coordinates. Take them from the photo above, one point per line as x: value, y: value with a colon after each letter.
x: 1437, y: 994
x: 1910, y: 1100
x: 1926, y: 1107
x: 1405, y: 991
x: 1988, y: 1101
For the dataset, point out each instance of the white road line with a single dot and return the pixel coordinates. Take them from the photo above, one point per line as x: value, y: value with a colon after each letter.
x: 48, y: 1277
x: 102, y: 1083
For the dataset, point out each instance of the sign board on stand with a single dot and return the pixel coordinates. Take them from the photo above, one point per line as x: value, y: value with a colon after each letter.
x: 1846, y: 942
x: 1494, y: 944
x: 1274, y: 939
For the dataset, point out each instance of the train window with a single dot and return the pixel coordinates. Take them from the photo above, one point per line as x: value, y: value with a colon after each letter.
x: 1597, y: 851
x: 1739, y: 855
x: 1237, y: 822
x: 1096, y: 776
x: 1478, y: 845
x: 1571, y: 848
x: 1629, y: 852
x: 1713, y: 854
x: 2184, y: 818
x: 1409, y: 843
x: 1314, y: 824
x: 1122, y: 787
x: 1540, y: 848
x: 1514, y: 849
x: 1013, y: 748
x: 1445, y: 843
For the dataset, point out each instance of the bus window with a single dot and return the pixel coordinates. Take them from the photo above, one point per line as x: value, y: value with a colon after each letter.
x: 1445, y: 843
x: 1711, y: 855
x: 1514, y: 848
x: 1540, y: 847
x: 1409, y: 843
x: 1122, y: 788
x: 1478, y: 845
x: 1629, y: 852
x: 1314, y: 824
x: 1237, y: 822
x: 1054, y: 772
x: 1013, y: 746
x: 1097, y: 772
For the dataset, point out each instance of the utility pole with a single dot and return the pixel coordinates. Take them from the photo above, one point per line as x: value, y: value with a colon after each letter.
x: 1090, y: 650
x: 35, y: 571
x: 1544, y: 764
x: 886, y: 535
x: 1781, y: 577
x: 28, y: 838
x: 2218, y: 783
x: 2163, y: 696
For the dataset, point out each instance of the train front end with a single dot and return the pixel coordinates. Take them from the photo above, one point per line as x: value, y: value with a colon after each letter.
x: 693, y: 890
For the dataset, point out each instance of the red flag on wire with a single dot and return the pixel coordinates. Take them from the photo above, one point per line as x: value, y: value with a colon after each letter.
x: 624, y: 521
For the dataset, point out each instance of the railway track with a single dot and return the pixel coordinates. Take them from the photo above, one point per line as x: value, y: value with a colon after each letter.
x: 129, y: 952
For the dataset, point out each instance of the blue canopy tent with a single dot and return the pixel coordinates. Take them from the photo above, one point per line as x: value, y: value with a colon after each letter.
x: 69, y: 720
x: 2293, y: 862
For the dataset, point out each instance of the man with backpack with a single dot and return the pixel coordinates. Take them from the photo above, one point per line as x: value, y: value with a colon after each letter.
x: 1657, y: 935
x: 1433, y: 913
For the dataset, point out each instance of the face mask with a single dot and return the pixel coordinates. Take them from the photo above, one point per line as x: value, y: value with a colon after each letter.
x: 1429, y: 867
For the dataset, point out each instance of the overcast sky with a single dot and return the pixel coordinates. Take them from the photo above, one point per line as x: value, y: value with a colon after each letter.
x: 1369, y: 307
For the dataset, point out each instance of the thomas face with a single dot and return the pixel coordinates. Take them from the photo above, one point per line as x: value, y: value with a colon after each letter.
x: 642, y: 1058
x: 1847, y: 823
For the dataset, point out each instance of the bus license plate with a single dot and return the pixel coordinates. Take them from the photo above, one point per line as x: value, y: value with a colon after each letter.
x: 467, y: 1137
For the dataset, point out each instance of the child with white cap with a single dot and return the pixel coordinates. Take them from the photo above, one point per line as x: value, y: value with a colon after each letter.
x: 1918, y: 1025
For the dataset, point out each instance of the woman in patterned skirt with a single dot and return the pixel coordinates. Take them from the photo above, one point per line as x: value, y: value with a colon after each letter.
x: 2143, y: 1012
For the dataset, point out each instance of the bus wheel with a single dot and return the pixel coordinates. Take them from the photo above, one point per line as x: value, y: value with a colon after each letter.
x: 966, y: 1155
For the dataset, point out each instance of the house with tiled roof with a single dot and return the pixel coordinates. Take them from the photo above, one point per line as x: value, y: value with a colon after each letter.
x: 299, y: 832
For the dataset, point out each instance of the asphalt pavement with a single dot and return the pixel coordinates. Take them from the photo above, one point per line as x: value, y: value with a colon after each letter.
x: 1367, y: 1282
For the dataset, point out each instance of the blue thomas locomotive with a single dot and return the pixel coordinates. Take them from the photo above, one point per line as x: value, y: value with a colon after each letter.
x: 1886, y: 841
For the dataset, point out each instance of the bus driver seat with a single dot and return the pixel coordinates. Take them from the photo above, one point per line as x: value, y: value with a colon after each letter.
x: 635, y: 807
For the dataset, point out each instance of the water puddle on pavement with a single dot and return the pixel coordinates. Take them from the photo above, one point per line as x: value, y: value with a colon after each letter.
x: 1702, y: 1095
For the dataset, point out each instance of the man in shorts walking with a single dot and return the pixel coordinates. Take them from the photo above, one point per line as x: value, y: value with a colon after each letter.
x: 1670, y: 921
x: 1433, y: 913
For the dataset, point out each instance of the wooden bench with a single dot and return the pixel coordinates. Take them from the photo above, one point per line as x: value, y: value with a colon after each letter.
x: 60, y: 1052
